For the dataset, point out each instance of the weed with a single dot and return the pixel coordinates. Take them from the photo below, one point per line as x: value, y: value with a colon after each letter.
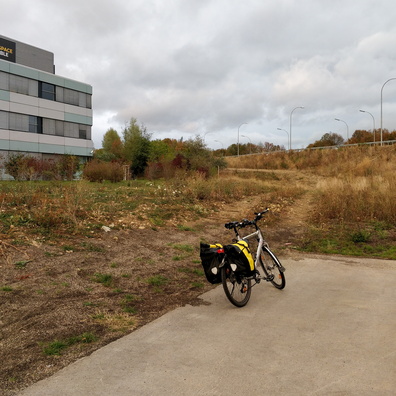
x: 360, y: 236
x: 157, y: 280
x: 185, y: 228
x: 22, y: 264
x: 198, y: 285
x: 104, y: 279
x: 56, y: 347
x: 183, y: 248
x: 193, y: 271
x: 198, y: 272
x: 129, y: 309
x: 129, y: 298
x: 6, y: 288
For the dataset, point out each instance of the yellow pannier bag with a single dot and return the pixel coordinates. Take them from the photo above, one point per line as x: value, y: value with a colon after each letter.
x: 239, y: 257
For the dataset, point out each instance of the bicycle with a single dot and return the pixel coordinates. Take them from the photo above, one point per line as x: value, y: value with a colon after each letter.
x: 238, y: 287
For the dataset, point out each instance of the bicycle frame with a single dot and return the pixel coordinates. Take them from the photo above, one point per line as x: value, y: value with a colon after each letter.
x: 261, y: 243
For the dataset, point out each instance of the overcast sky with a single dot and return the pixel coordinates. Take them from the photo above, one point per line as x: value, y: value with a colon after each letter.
x: 206, y: 67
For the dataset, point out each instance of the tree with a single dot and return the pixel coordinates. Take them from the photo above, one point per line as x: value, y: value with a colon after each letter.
x: 361, y: 136
x: 196, y: 154
x: 136, y: 146
x: 328, y: 139
x: 112, y: 144
x: 160, y: 150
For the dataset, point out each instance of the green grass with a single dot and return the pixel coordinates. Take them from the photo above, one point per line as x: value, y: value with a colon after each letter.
x: 22, y: 264
x: 104, y: 279
x: 56, y: 347
x: 157, y: 280
x: 183, y: 247
x: 365, y: 242
x: 185, y: 228
x: 198, y: 285
x: 193, y: 271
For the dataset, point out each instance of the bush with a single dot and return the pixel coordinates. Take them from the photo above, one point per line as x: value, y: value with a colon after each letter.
x: 98, y: 171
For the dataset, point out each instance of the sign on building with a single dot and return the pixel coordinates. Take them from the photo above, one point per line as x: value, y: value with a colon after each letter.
x: 7, y: 50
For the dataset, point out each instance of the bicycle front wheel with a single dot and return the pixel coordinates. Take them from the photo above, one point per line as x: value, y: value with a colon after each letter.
x: 272, y: 268
x: 237, y: 288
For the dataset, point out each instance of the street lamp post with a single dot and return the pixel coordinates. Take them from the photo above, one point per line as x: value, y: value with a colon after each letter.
x: 337, y: 119
x: 238, y: 137
x: 364, y: 111
x: 280, y: 129
x: 222, y: 145
x: 394, y: 78
x: 290, y: 131
x: 250, y: 151
x: 205, y: 135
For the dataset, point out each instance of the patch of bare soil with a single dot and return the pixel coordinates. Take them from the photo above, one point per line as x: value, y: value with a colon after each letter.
x: 61, y: 302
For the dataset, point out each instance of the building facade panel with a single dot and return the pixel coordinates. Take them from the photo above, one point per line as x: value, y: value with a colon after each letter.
x: 4, y: 96
x: 22, y: 108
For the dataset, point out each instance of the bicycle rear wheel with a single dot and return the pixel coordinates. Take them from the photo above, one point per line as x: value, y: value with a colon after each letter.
x: 272, y: 268
x: 237, y: 288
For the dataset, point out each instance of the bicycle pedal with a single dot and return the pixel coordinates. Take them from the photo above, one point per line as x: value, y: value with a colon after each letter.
x: 270, y: 278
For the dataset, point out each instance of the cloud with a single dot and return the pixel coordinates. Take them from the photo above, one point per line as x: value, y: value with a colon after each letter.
x: 187, y: 67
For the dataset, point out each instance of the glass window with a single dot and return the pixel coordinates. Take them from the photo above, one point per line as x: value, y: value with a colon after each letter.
x: 19, y: 84
x: 35, y: 124
x: 71, y: 130
x: 48, y: 126
x: 82, y: 99
x: 33, y: 88
x: 47, y: 91
x: 82, y: 131
x: 59, y: 130
x: 4, y: 81
x: 3, y: 120
x: 70, y: 97
x: 19, y: 122
x: 59, y: 94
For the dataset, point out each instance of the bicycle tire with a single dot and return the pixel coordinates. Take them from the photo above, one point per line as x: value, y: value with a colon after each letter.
x: 237, y: 288
x: 271, y: 266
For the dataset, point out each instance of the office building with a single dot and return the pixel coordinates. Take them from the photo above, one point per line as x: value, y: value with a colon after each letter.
x: 41, y: 114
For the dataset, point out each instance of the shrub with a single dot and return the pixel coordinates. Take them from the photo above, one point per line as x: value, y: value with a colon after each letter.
x: 97, y: 171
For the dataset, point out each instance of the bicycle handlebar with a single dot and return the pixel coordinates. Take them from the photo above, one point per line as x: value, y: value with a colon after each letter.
x: 245, y: 222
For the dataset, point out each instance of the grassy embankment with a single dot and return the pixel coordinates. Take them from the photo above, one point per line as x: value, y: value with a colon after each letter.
x: 353, y: 202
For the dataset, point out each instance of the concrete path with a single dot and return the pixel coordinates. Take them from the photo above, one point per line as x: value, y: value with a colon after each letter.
x: 331, y: 331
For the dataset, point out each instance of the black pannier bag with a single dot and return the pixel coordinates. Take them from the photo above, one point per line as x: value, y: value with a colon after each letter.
x: 211, y: 257
x: 239, y: 257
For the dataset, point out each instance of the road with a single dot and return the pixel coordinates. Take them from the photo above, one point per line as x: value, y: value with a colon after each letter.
x: 331, y: 331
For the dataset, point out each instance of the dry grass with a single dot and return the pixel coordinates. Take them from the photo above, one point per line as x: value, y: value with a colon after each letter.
x: 358, y: 182
x: 49, y: 210
x: 356, y: 199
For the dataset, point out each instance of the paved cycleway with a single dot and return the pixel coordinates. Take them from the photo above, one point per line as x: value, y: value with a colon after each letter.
x: 331, y: 331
